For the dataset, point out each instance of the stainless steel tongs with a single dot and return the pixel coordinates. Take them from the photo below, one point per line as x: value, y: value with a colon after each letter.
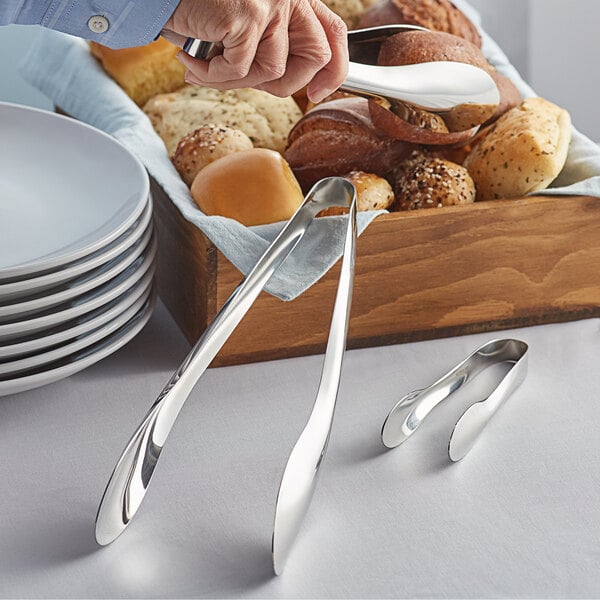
x: 131, y: 477
x: 432, y: 86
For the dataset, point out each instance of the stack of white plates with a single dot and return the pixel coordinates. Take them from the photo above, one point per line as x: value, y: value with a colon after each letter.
x: 77, y: 247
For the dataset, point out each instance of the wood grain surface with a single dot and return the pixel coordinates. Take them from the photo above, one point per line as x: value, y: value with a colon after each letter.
x: 419, y: 275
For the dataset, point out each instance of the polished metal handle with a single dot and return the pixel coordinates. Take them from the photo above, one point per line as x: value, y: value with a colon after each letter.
x: 300, y: 475
x: 131, y: 477
x: 406, y: 417
x: 434, y: 86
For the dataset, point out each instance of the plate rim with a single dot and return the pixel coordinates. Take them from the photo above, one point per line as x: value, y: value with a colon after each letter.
x: 37, y: 266
x: 47, y: 301
x: 82, y: 265
x: 47, y: 321
x: 109, y: 346
x: 123, y: 302
x: 35, y: 361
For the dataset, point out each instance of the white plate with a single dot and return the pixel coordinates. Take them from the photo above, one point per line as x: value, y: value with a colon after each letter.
x: 67, y: 190
x: 84, y: 304
x: 79, y: 326
x: 12, y: 368
x: 80, y: 360
x: 25, y: 287
x: 77, y: 287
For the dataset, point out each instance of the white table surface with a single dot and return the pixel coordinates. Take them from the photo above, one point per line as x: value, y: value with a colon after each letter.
x: 518, y: 517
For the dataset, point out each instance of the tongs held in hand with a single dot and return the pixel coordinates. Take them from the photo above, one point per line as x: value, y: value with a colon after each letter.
x: 131, y: 477
x: 432, y: 86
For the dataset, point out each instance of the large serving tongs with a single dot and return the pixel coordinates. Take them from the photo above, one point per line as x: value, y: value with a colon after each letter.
x: 433, y: 86
x: 407, y: 416
x: 130, y: 479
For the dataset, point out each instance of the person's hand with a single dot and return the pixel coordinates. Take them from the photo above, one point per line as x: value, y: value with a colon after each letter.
x: 278, y: 46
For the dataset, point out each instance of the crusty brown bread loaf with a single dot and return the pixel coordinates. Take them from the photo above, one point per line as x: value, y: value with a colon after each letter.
x: 438, y: 15
x: 264, y: 118
x: 426, y: 182
x: 523, y: 152
x: 143, y: 71
x: 205, y: 145
x: 413, y: 47
x: 338, y: 137
x: 509, y: 94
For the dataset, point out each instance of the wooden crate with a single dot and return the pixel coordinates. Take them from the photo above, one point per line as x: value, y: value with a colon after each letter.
x: 419, y: 275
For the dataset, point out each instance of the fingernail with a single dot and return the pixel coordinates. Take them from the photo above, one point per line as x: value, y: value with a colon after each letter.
x: 318, y: 95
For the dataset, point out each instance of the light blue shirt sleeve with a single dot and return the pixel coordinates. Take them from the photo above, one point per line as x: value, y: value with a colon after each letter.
x: 113, y: 23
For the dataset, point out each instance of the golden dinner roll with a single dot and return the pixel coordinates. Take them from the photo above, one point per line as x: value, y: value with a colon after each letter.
x: 205, y: 145
x: 253, y: 187
x: 143, y: 71
x: 426, y: 182
x: 523, y: 152
x: 372, y: 193
x: 264, y: 118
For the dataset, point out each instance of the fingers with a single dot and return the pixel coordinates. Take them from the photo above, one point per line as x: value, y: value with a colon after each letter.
x: 246, y: 63
x: 280, y: 49
x: 332, y: 75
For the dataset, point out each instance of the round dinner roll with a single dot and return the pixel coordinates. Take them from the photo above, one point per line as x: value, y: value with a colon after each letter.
x: 426, y: 182
x: 372, y: 193
x: 205, y: 145
x: 253, y: 187
x: 523, y: 152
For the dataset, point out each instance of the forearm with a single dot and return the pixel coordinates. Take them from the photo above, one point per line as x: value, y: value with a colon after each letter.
x: 114, y: 23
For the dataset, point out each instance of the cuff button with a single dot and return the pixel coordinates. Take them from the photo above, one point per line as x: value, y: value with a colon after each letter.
x: 98, y: 24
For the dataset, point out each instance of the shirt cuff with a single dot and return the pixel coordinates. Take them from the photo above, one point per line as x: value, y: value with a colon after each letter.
x: 113, y: 23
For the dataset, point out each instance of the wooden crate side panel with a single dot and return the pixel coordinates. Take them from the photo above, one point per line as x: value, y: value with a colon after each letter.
x: 453, y: 271
x: 186, y: 267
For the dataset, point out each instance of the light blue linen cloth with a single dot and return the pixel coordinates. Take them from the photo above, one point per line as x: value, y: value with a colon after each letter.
x: 63, y: 68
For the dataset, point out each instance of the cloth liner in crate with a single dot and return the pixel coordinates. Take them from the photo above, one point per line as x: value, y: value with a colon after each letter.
x: 62, y: 68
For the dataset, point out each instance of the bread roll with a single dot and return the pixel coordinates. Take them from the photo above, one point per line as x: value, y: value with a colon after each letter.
x: 438, y: 15
x: 372, y: 193
x: 253, y: 187
x: 349, y: 10
x: 414, y: 47
x: 205, y: 145
x: 264, y: 118
x: 338, y: 137
x: 425, y: 182
x: 523, y: 152
x: 143, y: 71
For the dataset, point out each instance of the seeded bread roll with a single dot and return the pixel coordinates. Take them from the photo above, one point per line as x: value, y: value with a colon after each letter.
x: 143, y: 71
x: 372, y: 193
x: 438, y: 15
x: 425, y: 182
x: 205, y: 145
x: 349, y: 10
x: 264, y: 118
x: 523, y: 152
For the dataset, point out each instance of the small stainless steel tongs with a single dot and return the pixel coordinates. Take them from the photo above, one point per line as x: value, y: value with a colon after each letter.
x: 406, y: 417
x: 433, y: 86
x: 131, y: 477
